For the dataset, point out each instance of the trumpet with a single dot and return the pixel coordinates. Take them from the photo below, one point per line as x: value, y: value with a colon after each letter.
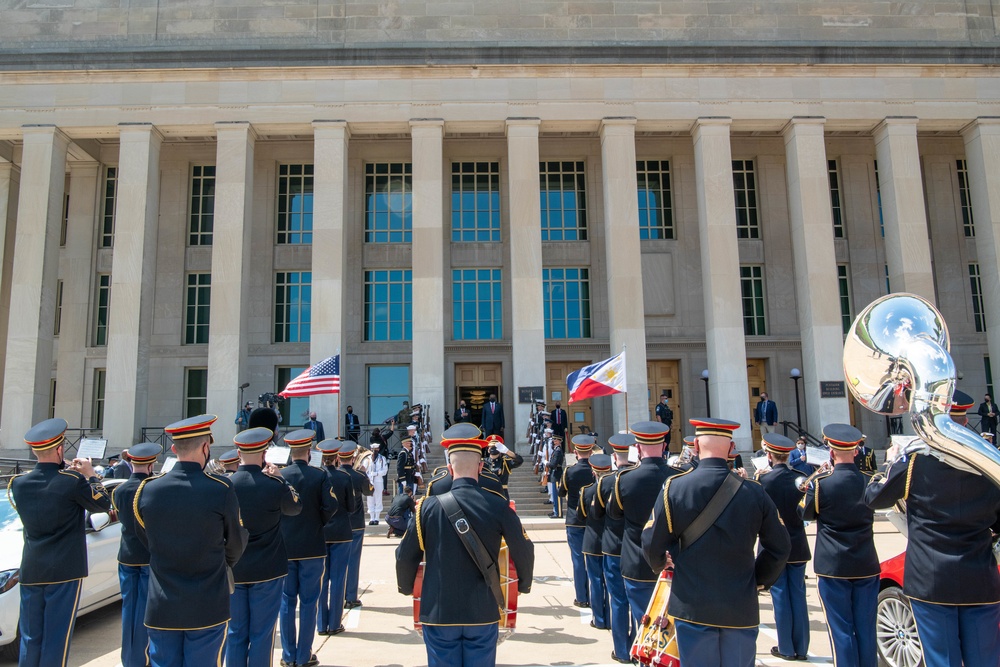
x: 803, y: 483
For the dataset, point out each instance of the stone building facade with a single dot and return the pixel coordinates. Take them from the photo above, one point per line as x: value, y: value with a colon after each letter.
x: 461, y: 197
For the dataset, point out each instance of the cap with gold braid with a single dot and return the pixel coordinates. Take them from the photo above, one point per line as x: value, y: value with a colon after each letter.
x: 329, y: 446
x: 232, y: 456
x: 464, y: 437
x: 708, y: 426
x: 620, y: 443
x: 347, y: 450
x: 301, y: 438
x: 777, y: 443
x: 192, y: 427
x: 142, y: 454
x: 253, y: 440
x: 494, y: 439
x: 600, y: 463
x: 689, y: 440
x: 842, y: 437
x: 649, y: 433
x: 584, y: 443
x: 46, y: 435
x: 961, y: 403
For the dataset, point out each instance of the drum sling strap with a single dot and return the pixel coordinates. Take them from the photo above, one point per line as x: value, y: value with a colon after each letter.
x: 715, y: 507
x: 486, y: 564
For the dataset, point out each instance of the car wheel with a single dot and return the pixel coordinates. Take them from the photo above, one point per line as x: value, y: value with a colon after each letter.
x: 896, y: 631
x: 9, y: 652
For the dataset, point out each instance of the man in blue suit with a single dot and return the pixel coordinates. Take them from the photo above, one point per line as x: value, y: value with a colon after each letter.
x: 766, y: 414
x: 492, y: 417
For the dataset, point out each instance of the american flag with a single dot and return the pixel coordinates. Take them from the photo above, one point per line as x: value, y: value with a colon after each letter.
x: 322, y: 378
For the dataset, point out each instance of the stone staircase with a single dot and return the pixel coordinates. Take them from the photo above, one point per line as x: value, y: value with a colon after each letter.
x: 525, y: 492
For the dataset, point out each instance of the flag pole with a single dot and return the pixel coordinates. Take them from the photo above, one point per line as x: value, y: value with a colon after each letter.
x: 624, y: 347
x: 340, y: 422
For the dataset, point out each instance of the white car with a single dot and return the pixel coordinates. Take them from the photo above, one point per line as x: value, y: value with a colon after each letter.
x: 100, y: 588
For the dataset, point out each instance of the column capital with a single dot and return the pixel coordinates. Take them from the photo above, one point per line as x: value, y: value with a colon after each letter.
x: 44, y: 129
x: 896, y: 124
x: 990, y: 124
x: 130, y: 128
x: 425, y: 126
x: 336, y: 124
x: 799, y: 123
x: 711, y: 124
x: 522, y: 126
x: 243, y: 125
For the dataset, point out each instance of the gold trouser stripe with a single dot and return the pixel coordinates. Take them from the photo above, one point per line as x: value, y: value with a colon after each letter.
x: 72, y: 621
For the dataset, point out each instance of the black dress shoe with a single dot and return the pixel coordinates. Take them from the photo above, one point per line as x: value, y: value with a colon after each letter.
x: 312, y: 662
x: 337, y: 631
x: 554, y: 516
x: 351, y: 604
x: 547, y: 502
x: 799, y: 656
x: 597, y: 627
x: 621, y: 660
x: 323, y: 633
x: 582, y: 605
x: 778, y: 654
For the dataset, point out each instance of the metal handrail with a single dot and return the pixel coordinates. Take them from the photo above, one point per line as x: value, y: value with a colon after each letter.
x: 800, y: 432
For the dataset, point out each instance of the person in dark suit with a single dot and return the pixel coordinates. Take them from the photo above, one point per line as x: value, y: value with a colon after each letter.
x: 352, y: 425
x: 846, y: 562
x: 492, y: 417
x: 51, y: 500
x: 950, y: 575
x: 592, y: 549
x: 315, y: 425
x: 765, y: 415
x: 788, y: 592
x: 574, y: 478
x: 133, y: 558
x: 458, y: 610
x: 622, y: 629
x: 259, y: 575
x: 362, y: 487
x: 305, y: 546
x: 988, y: 415
x: 714, y: 592
x: 190, y: 522
x: 559, y: 421
x: 339, y: 537
x: 636, y: 491
x: 123, y: 468
x: 462, y: 413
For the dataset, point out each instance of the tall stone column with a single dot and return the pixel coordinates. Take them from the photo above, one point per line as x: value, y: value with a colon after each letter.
x: 227, y: 341
x: 9, y: 184
x: 33, y: 282
x: 77, y: 274
x: 623, y: 259
x: 133, y: 273
x: 816, y: 290
x: 982, y: 155
x: 720, y: 276
x: 907, y: 247
x: 331, y: 143
x: 528, y: 314
x: 428, y: 267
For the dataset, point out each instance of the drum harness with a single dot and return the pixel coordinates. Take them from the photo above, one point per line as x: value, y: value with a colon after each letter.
x: 727, y: 490
x: 486, y: 564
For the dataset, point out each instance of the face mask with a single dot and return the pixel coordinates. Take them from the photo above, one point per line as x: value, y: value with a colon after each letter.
x: 208, y: 457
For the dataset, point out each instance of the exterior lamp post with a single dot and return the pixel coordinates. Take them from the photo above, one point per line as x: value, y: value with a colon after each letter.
x: 708, y: 398
x: 796, y: 375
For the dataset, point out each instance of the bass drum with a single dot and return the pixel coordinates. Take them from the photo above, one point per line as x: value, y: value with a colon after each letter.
x: 508, y: 584
x: 656, y: 638
x: 363, y: 459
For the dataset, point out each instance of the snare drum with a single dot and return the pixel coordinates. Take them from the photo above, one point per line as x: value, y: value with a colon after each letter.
x: 656, y: 637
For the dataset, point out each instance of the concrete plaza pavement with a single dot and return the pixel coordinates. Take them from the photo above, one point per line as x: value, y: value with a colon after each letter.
x: 550, y: 630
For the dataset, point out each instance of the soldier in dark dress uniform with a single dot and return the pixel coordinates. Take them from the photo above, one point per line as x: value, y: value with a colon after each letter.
x: 554, y: 467
x: 231, y: 460
x: 400, y: 512
x: 501, y: 461
x: 51, y: 500
x: 600, y: 464
x: 133, y: 558
x: 362, y: 487
x: 951, y: 576
x: 406, y: 465
x: 846, y: 561
x: 440, y: 481
x: 339, y: 537
x: 306, y: 549
x: 190, y: 522
x: 714, y: 592
x: 865, y: 458
x: 622, y: 629
x: 265, y: 497
x: 788, y: 592
x: 458, y: 611
x: 635, y: 493
x: 574, y: 478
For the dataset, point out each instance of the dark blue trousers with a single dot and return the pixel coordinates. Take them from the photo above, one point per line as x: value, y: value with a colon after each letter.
x: 638, y: 594
x: 302, y: 586
x: 134, y: 581
x: 791, y: 614
x: 187, y: 648
x: 461, y: 645
x: 709, y: 646
x: 622, y: 630
x: 254, y: 610
x: 850, y: 606
x: 48, y: 613
x: 331, y: 597
x: 554, y: 497
x: 598, y: 591
x: 354, y: 565
x: 574, y: 536
x: 952, y: 635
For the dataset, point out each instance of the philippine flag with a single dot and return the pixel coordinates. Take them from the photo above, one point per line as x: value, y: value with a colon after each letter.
x: 601, y: 379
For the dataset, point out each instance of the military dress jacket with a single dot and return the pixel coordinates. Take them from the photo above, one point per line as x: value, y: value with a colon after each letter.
x: 575, y: 478
x: 338, y: 528
x: 454, y: 590
x: 636, y: 491
x: 779, y: 484
x: 503, y: 466
x: 362, y: 487
x: 716, y: 577
x: 594, y: 531
x: 614, y: 527
x: 131, y: 550
x: 406, y: 466
x: 51, y: 502
x: 845, y: 541
x: 264, y: 501
x: 949, y: 515
x: 190, y: 521
x: 303, y: 533
x: 440, y: 483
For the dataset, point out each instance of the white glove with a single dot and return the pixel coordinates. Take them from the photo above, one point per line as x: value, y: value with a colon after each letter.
x: 502, y: 448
